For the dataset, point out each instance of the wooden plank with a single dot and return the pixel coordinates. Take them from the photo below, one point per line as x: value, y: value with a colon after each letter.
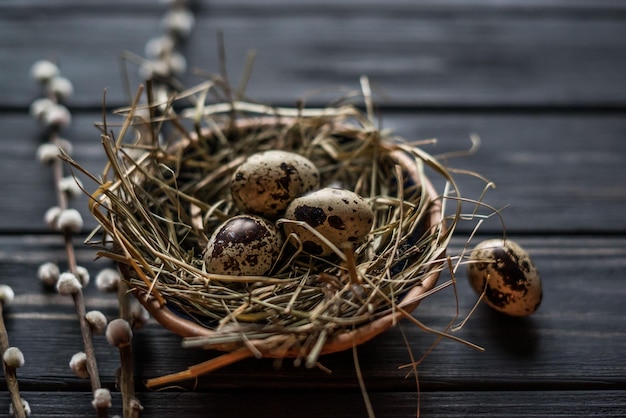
x: 557, y: 348
x: 555, y: 172
x: 419, y: 57
x: 295, y: 7
x: 234, y: 403
x: 558, y: 172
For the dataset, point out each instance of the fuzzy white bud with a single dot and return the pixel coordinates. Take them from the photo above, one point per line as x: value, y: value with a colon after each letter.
x: 178, y: 22
x: 71, y: 220
x: 47, y: 153
x: 154, y: 69
x: 161, y: 96
x: 48, y: 273
x: 68, y: 284
x: 51, y: 217
x: 57, y: 115
x: 71, y: 186
x: 119, y: 333
x: 97, y: 321
x: 43, y: 70
x: 108, y: 280
x: 25, y: 405
x: 82, y: 274
x: 6, y: 295
x: 177, y: 63
x: 101, y: 398
x: 159, y: 47
x: 39, y: 107
x: 78, y: 364
x: 61, y: 87
x: 65, y: 145
x: 13, y: 357
x: 139, y: 314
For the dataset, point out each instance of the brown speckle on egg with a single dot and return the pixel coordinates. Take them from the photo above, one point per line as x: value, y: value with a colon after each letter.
x: 340, y: 215
x: 244, y: 245
x: 507, y: 275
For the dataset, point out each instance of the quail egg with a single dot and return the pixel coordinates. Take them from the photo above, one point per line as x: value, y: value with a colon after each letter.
x: 244, y: 245
x: 339, y: 215
x: 507, y: 275
x: 268, y: 181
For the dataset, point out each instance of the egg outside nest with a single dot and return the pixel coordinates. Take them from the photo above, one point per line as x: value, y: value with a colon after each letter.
x: 504, y: 271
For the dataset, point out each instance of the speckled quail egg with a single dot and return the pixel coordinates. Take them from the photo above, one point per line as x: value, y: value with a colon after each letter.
x: 339, y: 215
x: 504, y: 270
x: 268, y: 181
x: 244, y: 245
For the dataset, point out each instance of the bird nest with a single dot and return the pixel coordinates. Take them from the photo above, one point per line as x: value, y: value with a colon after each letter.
x: 163, y: 193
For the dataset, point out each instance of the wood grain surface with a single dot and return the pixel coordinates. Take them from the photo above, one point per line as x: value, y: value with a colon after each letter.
x: 456, y: 53
x: 543, y: 83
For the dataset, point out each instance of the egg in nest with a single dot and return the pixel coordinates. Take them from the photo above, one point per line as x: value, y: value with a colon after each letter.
x: 244, y: 245
x: 339, y: 215
x: 267, y: 182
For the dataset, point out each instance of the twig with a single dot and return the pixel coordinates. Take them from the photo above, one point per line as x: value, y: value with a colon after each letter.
x: 85, y: 329
x: 10, y: 375
x: 120, y: 335
x: 132, y: 406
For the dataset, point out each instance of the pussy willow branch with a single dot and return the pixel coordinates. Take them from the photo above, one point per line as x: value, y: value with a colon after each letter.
x: 10, y: 375
x: 132, y: 406
x: 68, y: 234
x: 78, y: 297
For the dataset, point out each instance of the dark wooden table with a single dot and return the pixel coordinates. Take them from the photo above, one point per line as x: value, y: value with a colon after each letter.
x: 542, y: 82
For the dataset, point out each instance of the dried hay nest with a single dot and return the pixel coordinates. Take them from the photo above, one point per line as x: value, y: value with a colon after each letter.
x: 159, y: 201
